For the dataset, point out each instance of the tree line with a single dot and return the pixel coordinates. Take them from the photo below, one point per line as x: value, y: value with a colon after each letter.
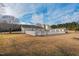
x: 69, y: 26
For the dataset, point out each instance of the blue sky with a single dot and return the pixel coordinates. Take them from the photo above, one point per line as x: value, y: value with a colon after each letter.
x: 51, y: 13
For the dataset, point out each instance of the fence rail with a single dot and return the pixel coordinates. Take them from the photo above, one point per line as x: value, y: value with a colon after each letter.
x: 47, y: 32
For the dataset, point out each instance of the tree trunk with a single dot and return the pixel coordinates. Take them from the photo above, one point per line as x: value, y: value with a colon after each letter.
x: 10, y: 30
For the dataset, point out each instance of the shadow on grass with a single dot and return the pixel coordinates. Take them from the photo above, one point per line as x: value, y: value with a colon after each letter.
x: 76, y: 38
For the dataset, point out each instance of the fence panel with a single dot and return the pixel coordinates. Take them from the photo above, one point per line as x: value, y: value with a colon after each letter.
x: 49, y: 32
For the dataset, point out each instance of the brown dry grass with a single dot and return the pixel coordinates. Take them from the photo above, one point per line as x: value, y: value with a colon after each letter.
x: 22, y: 44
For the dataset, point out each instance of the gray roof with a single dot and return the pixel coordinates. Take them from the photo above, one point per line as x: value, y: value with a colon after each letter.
x: 31, y: 26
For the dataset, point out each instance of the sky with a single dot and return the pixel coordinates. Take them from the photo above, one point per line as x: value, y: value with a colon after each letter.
x: 43, y: 13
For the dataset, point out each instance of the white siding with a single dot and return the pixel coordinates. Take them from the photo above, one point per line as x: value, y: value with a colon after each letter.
x: 30, y: 32
x: 35, y: 32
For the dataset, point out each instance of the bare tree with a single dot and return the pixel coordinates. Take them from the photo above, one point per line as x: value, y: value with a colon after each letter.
x: 10, y: 20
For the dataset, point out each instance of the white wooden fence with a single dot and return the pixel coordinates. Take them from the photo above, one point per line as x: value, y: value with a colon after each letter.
x: 48, y: 32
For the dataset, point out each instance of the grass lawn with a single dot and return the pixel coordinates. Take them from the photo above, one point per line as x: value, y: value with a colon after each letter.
x: 55, y: 45
x: 7, y: 36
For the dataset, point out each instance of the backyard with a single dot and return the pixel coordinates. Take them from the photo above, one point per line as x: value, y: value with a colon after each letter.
x: 17, y: 44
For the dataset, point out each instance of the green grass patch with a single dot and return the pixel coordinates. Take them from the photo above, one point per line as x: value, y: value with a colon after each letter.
x: 4, y: 36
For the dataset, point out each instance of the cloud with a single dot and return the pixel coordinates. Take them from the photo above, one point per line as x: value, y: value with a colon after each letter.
x: 37, y: 18
x: 2, y: 10
x: 63, y: 14
x: 44, y: 13
x: 68, y: 18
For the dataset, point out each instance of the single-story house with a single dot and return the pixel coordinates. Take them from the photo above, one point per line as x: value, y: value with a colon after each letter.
x: 31, y: 29
x: 39, y: 30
